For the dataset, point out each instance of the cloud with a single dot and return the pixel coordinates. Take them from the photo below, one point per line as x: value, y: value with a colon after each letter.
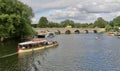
x: 77, y: 10
x: 41, y: 5
x: 35, y: 20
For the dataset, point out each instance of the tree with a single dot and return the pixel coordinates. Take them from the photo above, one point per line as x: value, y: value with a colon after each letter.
x: 116, y: 28
x: 84, y: 25
x: 100, y: 22
x: 43, y: 22
x: 116, y: 21
x: 53, y: 24
x: 77, y: 25
x: 15, y: 19
x: 91, y: 25
x: 67, y: 22
x: 108, y: 28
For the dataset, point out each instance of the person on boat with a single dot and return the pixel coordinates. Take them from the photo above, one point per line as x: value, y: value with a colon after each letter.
x: 28, y: 46
x: 46, y: 43
x: 23, y: 47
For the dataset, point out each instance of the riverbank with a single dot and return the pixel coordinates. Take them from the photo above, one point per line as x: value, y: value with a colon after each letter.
x: 19, y: 39
x: 112, y: 33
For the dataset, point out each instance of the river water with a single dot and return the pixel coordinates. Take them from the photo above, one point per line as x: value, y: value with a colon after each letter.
x: 76, y: 52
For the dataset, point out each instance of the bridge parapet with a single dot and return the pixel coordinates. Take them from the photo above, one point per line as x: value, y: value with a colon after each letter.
x: 71, y: 30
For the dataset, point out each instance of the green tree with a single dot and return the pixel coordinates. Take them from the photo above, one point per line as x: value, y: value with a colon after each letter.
x: 84, y: 25
x: 15, y: 19
x: 34, y: 25
x: 108, y: 27
x: 53, y: 24
x: 43, y: 22
x: 116, y: 21
x: 116, y: 28
x: 67, y: 22
x: 77, y: 25
x: 100, y: 22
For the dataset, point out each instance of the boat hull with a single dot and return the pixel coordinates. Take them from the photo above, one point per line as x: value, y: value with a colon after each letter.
x: 37, y: 48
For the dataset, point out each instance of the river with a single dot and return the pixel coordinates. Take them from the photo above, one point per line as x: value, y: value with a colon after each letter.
x: 76, y: 52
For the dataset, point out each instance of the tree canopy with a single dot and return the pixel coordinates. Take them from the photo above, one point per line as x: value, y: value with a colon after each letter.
x: 100, y: 22
x: 43, y: 22
x: 116, y: 21
x: 67, y: 22
x: 15, y: 19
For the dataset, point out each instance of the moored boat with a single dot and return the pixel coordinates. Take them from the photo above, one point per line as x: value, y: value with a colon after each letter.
x: 34, y: 45
x: 50, y: 34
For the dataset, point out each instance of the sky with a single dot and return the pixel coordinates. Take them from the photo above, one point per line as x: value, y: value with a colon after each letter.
x: 83, y: 11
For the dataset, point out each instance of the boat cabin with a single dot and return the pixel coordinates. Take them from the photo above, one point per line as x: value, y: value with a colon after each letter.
x: 34, y: 44
x: 31, y: 44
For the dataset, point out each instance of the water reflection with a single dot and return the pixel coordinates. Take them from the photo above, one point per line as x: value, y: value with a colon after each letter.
x: 32, y: 61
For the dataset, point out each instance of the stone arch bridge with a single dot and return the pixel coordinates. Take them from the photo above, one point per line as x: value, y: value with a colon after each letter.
x: 70, y: 30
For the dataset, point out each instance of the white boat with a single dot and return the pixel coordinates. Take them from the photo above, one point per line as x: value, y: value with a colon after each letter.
x: 50, y: 34
x: 36, y: 44
x: 45, y: 34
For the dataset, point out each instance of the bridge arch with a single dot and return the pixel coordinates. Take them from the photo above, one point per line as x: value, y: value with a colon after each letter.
x: 77, y: 32
x: 67, y: 32
x: 86, y: 31
x: 58, y: 32
x: 95, y: 31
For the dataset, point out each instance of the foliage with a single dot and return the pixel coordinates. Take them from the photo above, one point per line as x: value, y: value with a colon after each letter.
x: 116, y: 28
x: 6, y: 25
x: 77, y: 25
x: 34, y: 25
x: 84, y: 25
x: 15, y: 19
x: 67, y: 22
x: 116, y: 21
x: 108, y: 27
x: 43, y: 22
x: 53, y: 24
x: 100, y: 22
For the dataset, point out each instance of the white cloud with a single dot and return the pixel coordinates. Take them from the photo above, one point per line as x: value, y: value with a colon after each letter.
x: 35, y: 20
x: 78, y: 10
x: 41, y: 5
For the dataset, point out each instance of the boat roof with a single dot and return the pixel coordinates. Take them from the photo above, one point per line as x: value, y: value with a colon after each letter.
x: 31, y: 42
x: 26, y: 43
